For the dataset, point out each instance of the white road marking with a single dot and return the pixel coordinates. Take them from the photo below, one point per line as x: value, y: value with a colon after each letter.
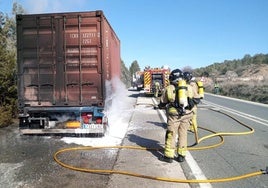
x: 240, y: 100
x: 241, y: 114
x: 196, y: 170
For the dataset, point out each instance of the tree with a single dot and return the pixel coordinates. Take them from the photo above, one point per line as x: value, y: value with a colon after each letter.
x: 134, y: 67
x: 8, y: 87
x: 187, y: 69
x: 17, y: 9
x: 125, y: 75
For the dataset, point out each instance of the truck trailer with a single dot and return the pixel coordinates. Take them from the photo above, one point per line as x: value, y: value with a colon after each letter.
x: 66, y: 62
x: 139, y: 80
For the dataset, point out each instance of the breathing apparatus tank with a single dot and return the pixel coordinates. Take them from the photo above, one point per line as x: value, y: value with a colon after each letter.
x: 182, y: 94
x: 200, y: 89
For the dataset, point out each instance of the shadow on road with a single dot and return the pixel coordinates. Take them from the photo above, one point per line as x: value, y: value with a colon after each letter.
x: 159, y: 124
x: 134, y: 95
x: 151, y: 145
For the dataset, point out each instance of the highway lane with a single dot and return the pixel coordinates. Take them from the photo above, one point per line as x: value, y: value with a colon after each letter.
x: 239, y: 154
x: 257, y: 110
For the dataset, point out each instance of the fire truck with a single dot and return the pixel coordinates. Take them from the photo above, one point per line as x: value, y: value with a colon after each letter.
x: 152, y: 75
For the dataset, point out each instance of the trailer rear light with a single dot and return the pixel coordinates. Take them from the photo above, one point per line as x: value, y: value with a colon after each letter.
x: 86, y: 117
x: 98, y: 120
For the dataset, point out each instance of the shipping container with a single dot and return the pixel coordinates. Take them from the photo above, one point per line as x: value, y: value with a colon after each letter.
x: 64, y: 62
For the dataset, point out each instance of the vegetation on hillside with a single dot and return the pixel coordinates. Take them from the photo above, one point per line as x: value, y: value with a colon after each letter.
x: 245, y: 78
x: 125, y: 75
x: 237, y: 65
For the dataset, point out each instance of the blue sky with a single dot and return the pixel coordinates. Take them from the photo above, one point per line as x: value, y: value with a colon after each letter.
x: 177, y: 33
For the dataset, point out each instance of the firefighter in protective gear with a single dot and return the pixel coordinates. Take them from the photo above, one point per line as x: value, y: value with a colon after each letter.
x: 191, y: 81
x: 200, y: 88
x: 156, y: 89
x: 178, y: 121
x: 216, y: 88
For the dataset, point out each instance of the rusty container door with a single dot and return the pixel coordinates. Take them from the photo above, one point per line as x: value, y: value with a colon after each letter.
x: 60, y: 60
x: 82, y: 60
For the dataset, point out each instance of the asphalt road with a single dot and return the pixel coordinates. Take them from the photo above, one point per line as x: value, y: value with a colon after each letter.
x: 239, y: 154
x: 27, y: 161
x: 257, y: 110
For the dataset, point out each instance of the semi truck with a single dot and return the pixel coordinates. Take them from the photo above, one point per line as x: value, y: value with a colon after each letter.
x: 152, y: 75
x: 139, y: 80
x: 66, y: 65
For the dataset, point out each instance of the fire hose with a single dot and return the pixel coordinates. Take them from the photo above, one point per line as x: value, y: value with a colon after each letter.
x: 166, y: 179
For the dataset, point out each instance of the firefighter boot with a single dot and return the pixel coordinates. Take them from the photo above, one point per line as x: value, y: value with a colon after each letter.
x: 166, y: 159
x: 180, y: 158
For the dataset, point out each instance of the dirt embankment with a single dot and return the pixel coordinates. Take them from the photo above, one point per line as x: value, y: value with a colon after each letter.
x: 249, y: 84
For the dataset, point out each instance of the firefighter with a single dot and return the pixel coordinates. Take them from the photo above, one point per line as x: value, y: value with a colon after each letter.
x: 191, y: 81
x: 157, y: 89
x: 178, y: 104
x: 216, y: 88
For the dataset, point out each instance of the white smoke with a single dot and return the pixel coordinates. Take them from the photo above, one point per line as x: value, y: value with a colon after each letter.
x: 45, y: 6
x: 117, y: 110
x: 115, y: 107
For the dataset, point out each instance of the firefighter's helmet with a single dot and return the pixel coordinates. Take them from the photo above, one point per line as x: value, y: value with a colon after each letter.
x: 175, y: 76
x: 187, y: 76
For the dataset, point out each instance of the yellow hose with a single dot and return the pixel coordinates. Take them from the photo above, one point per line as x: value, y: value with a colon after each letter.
x: 214, y: 134
x: 106, y: 171
x: 221, y: 134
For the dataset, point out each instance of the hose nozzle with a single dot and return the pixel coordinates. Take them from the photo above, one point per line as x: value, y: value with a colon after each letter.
x: 265, y: 171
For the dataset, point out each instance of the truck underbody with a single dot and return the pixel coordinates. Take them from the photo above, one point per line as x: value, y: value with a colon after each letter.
x: 63, y: 120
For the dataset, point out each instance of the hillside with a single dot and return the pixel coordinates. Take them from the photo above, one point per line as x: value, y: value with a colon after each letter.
x: 238, y: 78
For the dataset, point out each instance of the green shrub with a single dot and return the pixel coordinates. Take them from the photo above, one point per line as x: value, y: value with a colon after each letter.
x: 249, y: 91
x: 6, y: 118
